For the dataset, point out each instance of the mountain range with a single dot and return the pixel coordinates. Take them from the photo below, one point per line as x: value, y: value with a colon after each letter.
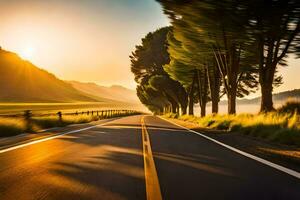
x: 115, y: 92
x: 21, y: 81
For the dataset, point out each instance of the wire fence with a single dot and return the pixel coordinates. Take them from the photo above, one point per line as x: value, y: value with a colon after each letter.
x: 31, y: 122
x: 103, y: 113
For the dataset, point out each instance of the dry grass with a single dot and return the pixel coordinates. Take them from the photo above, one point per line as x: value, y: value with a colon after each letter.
x: 53, y: 121
x: 277, y: 127
x: 14, y: 125
x: 11, y: 126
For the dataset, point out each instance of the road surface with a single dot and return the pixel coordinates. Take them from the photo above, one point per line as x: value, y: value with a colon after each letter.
x: 137, y: 157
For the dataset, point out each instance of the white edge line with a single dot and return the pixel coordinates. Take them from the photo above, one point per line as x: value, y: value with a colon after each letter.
x: 261, y: 160
x: 49, y: 138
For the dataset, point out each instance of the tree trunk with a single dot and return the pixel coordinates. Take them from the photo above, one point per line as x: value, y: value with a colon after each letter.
x: 183, y: 110
x: 266, y: 98
x: 231, y: 103
x: 266, y: 78
x: 191, y: 105
x: 174, y: 106
x: 199, y: 91
x: 214, y: 105
x: 214, y: 83
x: 203, y: 109
x: 191, y: 96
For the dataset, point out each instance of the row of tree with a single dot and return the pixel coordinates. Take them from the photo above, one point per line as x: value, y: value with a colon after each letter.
x: 215, y: 48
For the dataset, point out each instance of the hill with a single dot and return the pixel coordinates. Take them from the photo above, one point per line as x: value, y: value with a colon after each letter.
x: 278, y: 98
x: 21, y: 81
x: 115, y: 92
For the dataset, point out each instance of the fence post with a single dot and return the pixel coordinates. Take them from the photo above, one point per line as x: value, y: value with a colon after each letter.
x: 27, y: 117
x: 59, y: 114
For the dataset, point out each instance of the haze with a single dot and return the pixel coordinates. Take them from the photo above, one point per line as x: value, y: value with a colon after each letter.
x: 88, y: 41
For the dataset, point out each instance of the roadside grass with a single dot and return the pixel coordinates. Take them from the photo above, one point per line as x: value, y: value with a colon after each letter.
x: 53, y: 121
x: 10, y: 126
x: 278, y: 127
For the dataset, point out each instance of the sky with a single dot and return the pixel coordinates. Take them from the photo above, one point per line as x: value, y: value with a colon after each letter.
x: 89, y: 40
x: 83, y: 40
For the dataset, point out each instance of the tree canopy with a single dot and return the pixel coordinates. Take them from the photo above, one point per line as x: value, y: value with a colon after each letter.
x: 216, y: 48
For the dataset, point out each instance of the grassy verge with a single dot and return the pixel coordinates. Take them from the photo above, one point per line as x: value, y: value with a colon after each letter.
x: 281, y: 128
x: 14, y: 126
x: 11, y: 126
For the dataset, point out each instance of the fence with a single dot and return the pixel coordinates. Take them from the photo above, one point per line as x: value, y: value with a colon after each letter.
x: 105, y: 113
x: 28, y: 115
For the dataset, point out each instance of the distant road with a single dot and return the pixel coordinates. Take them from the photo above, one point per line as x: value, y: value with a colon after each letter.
x: 111, y: 160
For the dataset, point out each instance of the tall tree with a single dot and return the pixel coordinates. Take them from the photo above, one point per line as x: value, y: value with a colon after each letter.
x: 217, y: 28
x: 275, y: 26
x: 147, y: 66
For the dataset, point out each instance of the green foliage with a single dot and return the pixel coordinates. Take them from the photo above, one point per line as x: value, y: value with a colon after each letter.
x: 211, y: 36
x: 156, y: 89
x: 218, y: 47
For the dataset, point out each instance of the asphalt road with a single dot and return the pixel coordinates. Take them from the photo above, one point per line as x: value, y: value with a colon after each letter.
x: 111, y: 161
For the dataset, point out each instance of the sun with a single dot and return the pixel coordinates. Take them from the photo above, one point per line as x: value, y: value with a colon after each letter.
x: 27, y: 53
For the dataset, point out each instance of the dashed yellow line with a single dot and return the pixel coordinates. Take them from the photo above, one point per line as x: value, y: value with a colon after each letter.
x: 152, y: 184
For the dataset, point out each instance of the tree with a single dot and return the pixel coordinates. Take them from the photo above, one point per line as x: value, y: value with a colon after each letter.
x: 154, y: 83
x: 216, y: 28
x: 187, y: 67
x: 151, y: 98
x: 275, y: 27
x: 178, y: 70
x: 172, y: 90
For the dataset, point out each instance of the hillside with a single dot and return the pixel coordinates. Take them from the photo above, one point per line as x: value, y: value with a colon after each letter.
x: 278, y: 98
x: 115, y: 92
x: 21, y: 81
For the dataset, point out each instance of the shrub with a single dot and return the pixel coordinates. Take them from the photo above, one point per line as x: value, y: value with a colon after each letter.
x: 291, y: 106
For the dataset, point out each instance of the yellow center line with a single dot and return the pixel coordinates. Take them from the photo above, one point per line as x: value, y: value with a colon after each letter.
x: 152, y: 184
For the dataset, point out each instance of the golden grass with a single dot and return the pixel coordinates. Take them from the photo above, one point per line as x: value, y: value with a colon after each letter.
x: 11, y: 126
x: 277, y: 127
x: 14, y: 125
x: 53, y: 121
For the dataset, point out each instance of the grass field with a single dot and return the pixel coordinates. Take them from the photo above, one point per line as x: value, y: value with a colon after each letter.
x: 16, y: 125
x: 10, y: 126
x: 40, y: 108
